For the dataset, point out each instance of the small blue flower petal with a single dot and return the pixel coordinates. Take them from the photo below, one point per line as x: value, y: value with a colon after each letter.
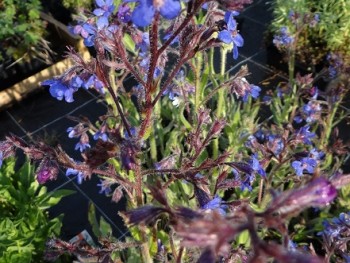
x: 98, y: 12
x: 238, y: 40
x: 102, y: 22
x: 297, y: 168
x: 225, y: 36
x: 170, y: 9
x: 143, y: 14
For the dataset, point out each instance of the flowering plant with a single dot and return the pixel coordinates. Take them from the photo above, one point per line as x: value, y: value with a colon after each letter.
x: 182, y: 141
x: 320, y: 30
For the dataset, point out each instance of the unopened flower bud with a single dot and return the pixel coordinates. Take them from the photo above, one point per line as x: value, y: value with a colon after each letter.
x: 47, y: 170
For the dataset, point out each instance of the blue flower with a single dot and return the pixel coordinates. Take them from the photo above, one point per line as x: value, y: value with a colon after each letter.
x: 71, y: 132
x: 267, y: 99
x: 60, y: 89
x: 242, y: 88
x: 260, y: 136
x: 76, y: 82
x: 315, y: 20
x: 283, y: 39
x: 256, y: 166
x: 80, y: 175
x: 180, y: 89
x: 94, y: 82
x: 87, y: 32
x: 247, y: 182
x: 298, y: 119
x: 101, y: 135
x: 144, y: 12
x: 253, y: 91
x: 216, y: 204
x: 105, y: 188
x: 336, y: 229
x: 249, y: 177
x: 311, y: 111
x: 109, y: 32
x: 335, y: 64
x: 133, y: 132
x: 82, y: 146
x: 304, y: 135
x: 305, y: 164
x: 124, y: 13
x: 275, y: 144
x: 104, y: 10
x: 317, y: 155
x: 292, y: 246
x: 231, y: 35
x: 142, y: 42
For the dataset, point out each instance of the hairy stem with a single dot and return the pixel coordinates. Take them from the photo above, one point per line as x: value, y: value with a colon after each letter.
x: 169, y: 80
x: 154, y: 56
x: 198, y: 89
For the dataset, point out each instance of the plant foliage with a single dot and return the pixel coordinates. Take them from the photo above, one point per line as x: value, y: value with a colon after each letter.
x: 24, y: 222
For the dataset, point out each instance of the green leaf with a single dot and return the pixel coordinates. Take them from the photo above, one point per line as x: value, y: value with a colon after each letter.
x: 244, y: 238
x: 26, y: 174
x: 93, y: 221
x: 129, y: 43
x: 24, y: 224
x: 53, y: 198
x: 105, y: 228
x: 183, y: 119
x: 202, y: 157
x: 34, y: 14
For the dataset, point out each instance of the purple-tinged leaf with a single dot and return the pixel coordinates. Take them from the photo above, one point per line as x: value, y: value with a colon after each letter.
x: 229, y: 183
x: 340, y: 180
x: 202, y: 197
x: 146, y: 214
x: 128, y: 155
x: 212, y: 231
x: 318, y: 193
x: 242, y: 167
x: 187, y: 213
x: 17, y: 141
x: 216, y: 128
x: 158, y: 193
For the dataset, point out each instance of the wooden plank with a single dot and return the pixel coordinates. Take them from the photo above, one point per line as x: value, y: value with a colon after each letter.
x: 20, y: 90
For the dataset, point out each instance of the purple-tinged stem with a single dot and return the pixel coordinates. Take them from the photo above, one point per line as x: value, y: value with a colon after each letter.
x: 115, y: 99
x: 154, y: 57
x: 123, y: 57
x: 169, y: 79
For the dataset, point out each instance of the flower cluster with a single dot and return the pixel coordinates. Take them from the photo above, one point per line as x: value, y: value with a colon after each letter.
x: 335, y: 236
x: 180, y: 89
x: 145, y: 10
x: 307, y: 164
x: 310, y: 112
x: 61, y: 88
x: 284, y: 39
